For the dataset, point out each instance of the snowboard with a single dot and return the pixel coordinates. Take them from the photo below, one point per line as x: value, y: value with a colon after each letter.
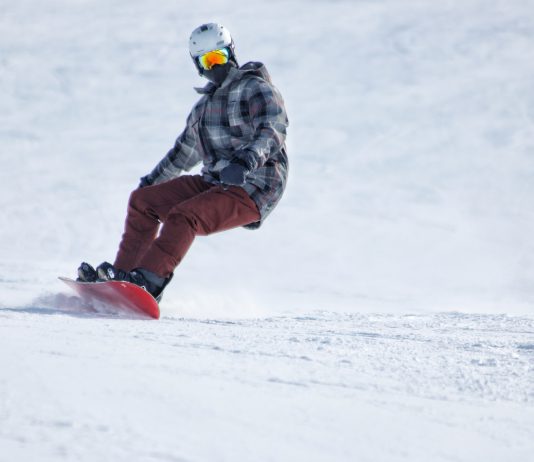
x: 121, y: 295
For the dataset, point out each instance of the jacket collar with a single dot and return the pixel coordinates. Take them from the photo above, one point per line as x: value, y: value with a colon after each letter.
x: 211, y: 88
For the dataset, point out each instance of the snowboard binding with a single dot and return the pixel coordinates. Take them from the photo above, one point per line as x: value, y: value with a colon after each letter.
x: 143, y: 278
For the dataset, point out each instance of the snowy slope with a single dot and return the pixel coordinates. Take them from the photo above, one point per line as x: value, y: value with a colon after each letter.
x: 410, y: 141
x: 316, y: 388
x: 410, y: 195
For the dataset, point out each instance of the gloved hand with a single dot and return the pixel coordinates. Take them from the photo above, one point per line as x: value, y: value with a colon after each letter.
x: 144, y: 181
x: 234, y: 174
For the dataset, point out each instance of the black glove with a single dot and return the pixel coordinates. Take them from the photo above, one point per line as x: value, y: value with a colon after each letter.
x: 144, y: 182
x: 234, y: 174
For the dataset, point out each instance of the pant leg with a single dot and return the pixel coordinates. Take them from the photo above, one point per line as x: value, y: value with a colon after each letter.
x: 216, y: 209
x: 147, y: 208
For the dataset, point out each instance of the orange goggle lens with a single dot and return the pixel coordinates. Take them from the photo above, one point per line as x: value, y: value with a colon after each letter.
x: 211, y: 58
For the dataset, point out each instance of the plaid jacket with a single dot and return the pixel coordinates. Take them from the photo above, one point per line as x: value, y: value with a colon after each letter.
x: 245, y: 112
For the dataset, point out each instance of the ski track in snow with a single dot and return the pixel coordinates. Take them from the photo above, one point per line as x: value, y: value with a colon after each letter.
x: 324, y: 386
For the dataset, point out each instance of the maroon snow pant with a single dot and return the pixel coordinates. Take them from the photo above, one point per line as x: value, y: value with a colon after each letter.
x: 187, y: 206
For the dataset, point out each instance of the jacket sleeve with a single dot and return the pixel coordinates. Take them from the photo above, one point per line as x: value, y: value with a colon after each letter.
x: 269, y: 120
x: 184, y: 155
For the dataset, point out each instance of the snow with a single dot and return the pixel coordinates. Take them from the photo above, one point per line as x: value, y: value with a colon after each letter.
x: 324, y: 387
x: 383, y: 312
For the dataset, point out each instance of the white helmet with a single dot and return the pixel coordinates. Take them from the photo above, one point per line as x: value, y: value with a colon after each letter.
x: 209, y: 37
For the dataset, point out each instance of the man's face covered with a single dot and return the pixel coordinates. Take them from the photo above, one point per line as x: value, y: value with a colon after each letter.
x: 217, y: 74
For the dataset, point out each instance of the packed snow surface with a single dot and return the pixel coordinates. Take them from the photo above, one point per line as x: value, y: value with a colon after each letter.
x: 312, y: 388
x: 385, y: 310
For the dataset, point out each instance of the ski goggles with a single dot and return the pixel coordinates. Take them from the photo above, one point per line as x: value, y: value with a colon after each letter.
x: 211, y: 58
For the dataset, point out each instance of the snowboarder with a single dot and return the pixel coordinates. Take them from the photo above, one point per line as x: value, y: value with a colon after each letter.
x: 237, y: 130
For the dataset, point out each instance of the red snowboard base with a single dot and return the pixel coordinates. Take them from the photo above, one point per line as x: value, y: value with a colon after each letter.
x: 118, y: 294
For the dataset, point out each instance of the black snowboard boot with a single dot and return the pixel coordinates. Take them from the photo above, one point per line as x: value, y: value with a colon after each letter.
x: 150, y: 281
x: 141, y: 277
x: 107, y: 272
x: 86, y: 273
